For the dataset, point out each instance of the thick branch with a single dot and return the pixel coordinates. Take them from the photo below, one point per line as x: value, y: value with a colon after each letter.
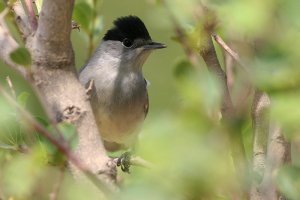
x: 52, y: 38
x: 209, y: 56
x: 66, y: 100
x: 208, y: 53
x: 278, y: 150
x: 261, y: 121
x: 279, y: 153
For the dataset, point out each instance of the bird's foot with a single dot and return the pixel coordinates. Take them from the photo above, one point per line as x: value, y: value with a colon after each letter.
x: 124, y: 162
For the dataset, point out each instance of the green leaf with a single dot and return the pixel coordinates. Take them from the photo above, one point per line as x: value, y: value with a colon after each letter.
x: 21, y: 56
x: 83, y: 14
x: 22, y: 99
x: 69, y: 134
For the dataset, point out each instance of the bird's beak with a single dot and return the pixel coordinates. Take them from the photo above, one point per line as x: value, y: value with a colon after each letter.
x: 154, y: 45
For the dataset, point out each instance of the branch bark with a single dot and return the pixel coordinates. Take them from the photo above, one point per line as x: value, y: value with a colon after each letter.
x: 279, y: 153
x: 261, y: 122
x: 208, y: 53
x: 55, y: 77
x: 270, y: 150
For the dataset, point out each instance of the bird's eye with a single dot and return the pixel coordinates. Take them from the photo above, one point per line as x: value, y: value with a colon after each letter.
x: 127, y: 43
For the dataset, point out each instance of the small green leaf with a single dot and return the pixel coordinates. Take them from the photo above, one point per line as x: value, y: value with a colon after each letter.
x: 83, y: 14
x: 21, y: 56
x: 68, y: 132
x: 22, y: 99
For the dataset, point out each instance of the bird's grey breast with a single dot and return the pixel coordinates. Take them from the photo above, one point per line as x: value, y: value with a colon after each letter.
x: 122, y: 101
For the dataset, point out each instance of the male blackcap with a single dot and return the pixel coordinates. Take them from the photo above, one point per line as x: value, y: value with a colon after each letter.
x: 120, y: 102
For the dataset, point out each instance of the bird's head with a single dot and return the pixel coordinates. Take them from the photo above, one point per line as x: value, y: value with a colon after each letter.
x: 130, y: 41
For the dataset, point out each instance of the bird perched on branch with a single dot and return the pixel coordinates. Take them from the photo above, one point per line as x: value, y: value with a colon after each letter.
x: 120, y: 101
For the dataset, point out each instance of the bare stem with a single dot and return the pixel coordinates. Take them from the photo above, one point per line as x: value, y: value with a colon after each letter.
x: 32, y: 17
x: 232, y: 53
x: 11, y: 87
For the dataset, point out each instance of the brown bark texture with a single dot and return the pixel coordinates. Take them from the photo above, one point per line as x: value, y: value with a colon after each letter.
x: 54, y: 77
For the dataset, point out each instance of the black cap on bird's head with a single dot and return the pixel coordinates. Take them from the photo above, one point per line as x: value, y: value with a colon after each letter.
x: 129, y: 29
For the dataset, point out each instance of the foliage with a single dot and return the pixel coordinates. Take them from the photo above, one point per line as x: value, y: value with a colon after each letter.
x: 190, y: 148
x: 21, y: 56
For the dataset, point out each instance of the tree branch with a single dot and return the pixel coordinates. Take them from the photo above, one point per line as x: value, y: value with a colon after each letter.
x: 52, y: 38
x: 54, y: 75
x: 21, y: 19
x: 279, y: 153
x: 208, y: 53
x: 232, y: 53
x: 60, y: 143
x: 31, y: 15
x: 261, y: 122
x: 229, y: 68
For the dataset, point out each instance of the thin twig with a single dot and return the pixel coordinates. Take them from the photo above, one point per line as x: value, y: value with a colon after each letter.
x: 232, y: 53
x: 21, y: 19
x: 60, y: 143
x: 11, y: 87
x: 221, y: 42
x: 208, y: 53
x: 31, y: 14
x: 229, y: 69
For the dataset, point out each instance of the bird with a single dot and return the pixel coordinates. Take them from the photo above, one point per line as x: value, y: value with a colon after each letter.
x: 120, y: 102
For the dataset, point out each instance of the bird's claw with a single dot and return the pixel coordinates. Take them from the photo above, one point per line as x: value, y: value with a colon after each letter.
x: 124, y: 162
